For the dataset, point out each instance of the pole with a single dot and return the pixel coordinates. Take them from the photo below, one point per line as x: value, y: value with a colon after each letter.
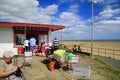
x: 61, y: 36
x: 92, y: 30
x: 25, y: 37
x: 25, y: 50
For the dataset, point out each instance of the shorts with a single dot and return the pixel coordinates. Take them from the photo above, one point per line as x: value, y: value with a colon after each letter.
x: 32, y: 48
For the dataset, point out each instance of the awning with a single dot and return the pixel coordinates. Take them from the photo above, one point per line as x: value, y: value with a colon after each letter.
x: 14, y: 24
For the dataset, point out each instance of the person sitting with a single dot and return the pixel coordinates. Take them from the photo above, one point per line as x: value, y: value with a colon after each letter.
x: 78, y: 49
x: 59, y: 56
x: 74, y: 48
x: 49, y: 52
x: 7, y: 69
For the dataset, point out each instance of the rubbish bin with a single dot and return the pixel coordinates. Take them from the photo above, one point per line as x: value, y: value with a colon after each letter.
x: 20, y: 50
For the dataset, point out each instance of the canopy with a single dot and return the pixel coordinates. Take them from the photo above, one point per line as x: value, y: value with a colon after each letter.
x: 14, y: 24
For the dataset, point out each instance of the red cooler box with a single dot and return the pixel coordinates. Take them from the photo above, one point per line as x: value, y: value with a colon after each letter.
x: 20, y: 50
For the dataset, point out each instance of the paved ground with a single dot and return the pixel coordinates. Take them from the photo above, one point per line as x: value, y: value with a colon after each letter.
x: 39, y: 71
x: 112, y: 62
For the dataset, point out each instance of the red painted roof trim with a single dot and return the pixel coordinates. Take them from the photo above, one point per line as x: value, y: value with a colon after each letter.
x: 11, y: 24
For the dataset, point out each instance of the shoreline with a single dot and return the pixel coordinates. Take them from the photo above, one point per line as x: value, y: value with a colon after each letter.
x: 90, y: 40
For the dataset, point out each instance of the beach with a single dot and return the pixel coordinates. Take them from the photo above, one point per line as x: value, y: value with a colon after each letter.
x: 110, y: 44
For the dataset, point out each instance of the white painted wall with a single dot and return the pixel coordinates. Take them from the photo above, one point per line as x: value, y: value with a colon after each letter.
x: 6, y: 40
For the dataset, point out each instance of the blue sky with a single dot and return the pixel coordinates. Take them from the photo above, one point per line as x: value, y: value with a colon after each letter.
x: 75, y: 15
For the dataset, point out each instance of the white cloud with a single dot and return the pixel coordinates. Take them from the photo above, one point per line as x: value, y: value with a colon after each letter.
x: 108, y: 12
x: 74, y: 8
x: 108, y: 20
x: 52, y: 9
x: 118, y: 18
x: 71, y: 20
x: 26, y: 11
x: 75, y: 26
x: 18, y: 6
x: 106, y: 2
x: 108, y: 25
x: 68, y: 16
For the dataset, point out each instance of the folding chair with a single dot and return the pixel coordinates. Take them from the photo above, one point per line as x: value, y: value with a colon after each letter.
x: 27, y: 59
x: 81, y: 70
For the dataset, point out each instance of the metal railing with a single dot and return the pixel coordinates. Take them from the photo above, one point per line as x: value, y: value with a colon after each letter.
x: 111, y: 53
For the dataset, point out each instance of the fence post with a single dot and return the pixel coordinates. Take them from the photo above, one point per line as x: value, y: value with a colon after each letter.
x: 87, y: 49
x: 105, y: 52
x: 113, y: 53
x: 98, y: 51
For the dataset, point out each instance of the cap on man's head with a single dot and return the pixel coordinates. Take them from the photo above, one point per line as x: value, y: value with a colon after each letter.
x: 8, y: 54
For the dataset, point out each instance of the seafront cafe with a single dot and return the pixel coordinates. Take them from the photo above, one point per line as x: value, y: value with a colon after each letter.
x: 12, y: 34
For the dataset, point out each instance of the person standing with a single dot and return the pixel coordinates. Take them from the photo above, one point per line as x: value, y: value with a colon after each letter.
x: 69, y: 57
x: 55, y: 44
x: 32, y: 44
x: 7, y: 68
x: 43, y: 50
x: 26, y: 45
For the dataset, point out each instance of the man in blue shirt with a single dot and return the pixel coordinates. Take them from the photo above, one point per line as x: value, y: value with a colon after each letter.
x: 32, y: 44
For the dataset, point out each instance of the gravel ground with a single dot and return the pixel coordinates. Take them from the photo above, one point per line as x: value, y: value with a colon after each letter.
x: 39, y: 71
